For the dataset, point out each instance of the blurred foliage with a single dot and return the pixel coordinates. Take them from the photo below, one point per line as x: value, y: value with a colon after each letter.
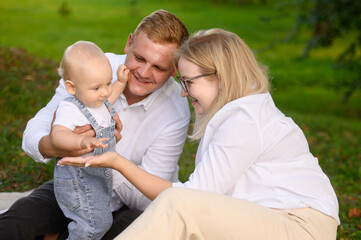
x: 336, y: 143
x: 302, y: 88
x: 64, y: 9
x: 329, y: 20
x: 27, y: 84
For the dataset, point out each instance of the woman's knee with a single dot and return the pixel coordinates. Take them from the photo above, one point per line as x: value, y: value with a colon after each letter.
x: 172, y: 194
x: 175, y: 197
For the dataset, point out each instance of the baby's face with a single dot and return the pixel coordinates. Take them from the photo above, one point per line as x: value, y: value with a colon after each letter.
x: 94, y: 85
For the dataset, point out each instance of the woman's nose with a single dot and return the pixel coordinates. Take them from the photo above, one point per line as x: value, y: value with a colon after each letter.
x: 184, y: 93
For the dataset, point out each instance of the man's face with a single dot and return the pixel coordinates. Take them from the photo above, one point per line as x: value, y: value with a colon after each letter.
x: 149, y: 64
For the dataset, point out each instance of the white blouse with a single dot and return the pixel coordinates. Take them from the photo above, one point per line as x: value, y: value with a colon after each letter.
x: 252, y: 151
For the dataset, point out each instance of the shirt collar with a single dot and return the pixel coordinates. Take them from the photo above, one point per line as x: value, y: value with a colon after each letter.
x: 147, y: 102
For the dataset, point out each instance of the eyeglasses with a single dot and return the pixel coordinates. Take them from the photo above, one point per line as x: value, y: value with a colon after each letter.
x: 182, y: 81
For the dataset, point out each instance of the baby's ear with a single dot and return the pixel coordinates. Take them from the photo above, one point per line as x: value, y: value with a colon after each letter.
x: 70, y: 87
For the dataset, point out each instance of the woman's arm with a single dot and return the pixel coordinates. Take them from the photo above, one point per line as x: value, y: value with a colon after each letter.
x: 149, y: 184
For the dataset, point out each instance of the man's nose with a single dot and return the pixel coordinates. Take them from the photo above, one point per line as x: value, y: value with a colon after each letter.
x: 144, y: 71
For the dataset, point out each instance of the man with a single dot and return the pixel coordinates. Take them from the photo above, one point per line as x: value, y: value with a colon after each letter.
x: 155, y: 121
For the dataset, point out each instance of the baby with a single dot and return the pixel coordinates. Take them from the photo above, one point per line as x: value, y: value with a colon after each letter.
x: 84, y: 194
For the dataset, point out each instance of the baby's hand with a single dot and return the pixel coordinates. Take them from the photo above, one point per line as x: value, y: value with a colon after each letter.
x: 92, y: 142
x: 119, y: 85
x: 123, y: 74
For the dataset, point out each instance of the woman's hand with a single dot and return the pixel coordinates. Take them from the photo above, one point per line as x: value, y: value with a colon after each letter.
x: 105, y: 160
x: 149, y: 184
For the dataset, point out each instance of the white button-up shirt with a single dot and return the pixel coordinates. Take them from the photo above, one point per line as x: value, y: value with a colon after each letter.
x: 251, y: 151
x: 153, y: 135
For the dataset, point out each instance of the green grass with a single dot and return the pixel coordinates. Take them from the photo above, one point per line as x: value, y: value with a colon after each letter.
x: 303, y: 89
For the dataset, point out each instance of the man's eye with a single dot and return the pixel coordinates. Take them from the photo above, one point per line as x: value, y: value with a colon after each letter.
x: 160, y: 69
x: 139, y: 59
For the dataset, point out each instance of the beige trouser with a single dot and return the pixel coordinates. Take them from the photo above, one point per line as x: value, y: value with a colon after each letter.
x: 180, y: 213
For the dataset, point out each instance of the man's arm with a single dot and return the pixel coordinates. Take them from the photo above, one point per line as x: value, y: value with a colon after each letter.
x: 39, y: 128
x: 36, y: 140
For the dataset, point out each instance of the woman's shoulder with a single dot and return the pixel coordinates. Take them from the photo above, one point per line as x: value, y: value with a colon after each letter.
x: 250, y: 101
x: 241, y: 109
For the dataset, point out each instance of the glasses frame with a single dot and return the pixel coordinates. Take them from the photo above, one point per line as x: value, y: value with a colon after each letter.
x: 183, y: 81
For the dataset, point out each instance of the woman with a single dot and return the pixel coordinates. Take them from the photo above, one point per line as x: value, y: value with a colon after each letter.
x: 254, y: 177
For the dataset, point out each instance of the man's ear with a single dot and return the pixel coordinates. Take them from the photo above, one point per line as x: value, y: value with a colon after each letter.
x: 70, y: 87
x: 174, y: 73
x: 127, y: 45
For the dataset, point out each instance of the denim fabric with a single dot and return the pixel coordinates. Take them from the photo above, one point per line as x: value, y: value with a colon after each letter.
x: 84, y: 194
x: 107, y: 132
x: 39, y: 213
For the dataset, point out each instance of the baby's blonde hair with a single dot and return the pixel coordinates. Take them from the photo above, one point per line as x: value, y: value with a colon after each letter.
x: 78, y: 53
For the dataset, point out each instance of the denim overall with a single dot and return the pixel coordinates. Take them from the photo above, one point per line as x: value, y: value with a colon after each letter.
x: 84, y: 194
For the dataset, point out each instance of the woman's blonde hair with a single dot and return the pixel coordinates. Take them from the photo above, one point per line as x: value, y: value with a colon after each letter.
x: 238, y: 72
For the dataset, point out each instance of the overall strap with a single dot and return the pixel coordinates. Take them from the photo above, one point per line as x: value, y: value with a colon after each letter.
x: 84, y: 111
x: 111, y: 109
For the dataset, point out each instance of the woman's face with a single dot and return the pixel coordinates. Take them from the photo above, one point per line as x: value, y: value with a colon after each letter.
x: 203, y: 91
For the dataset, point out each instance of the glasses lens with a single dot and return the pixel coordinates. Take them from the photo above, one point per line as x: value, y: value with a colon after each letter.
x: 182, y: 83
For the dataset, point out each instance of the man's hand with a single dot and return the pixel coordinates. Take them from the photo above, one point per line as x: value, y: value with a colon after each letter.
x: 118, y: 127
x: 85, y: 130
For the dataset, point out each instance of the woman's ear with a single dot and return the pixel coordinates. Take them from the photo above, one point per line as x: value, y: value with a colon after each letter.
x: 219, y: 82
x: 127, y: 45
x: 70, y: 87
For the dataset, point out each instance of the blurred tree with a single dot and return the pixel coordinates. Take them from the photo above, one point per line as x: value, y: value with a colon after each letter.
x: 238, y: 2
x: 64, y: 9
x: 328, y: 20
